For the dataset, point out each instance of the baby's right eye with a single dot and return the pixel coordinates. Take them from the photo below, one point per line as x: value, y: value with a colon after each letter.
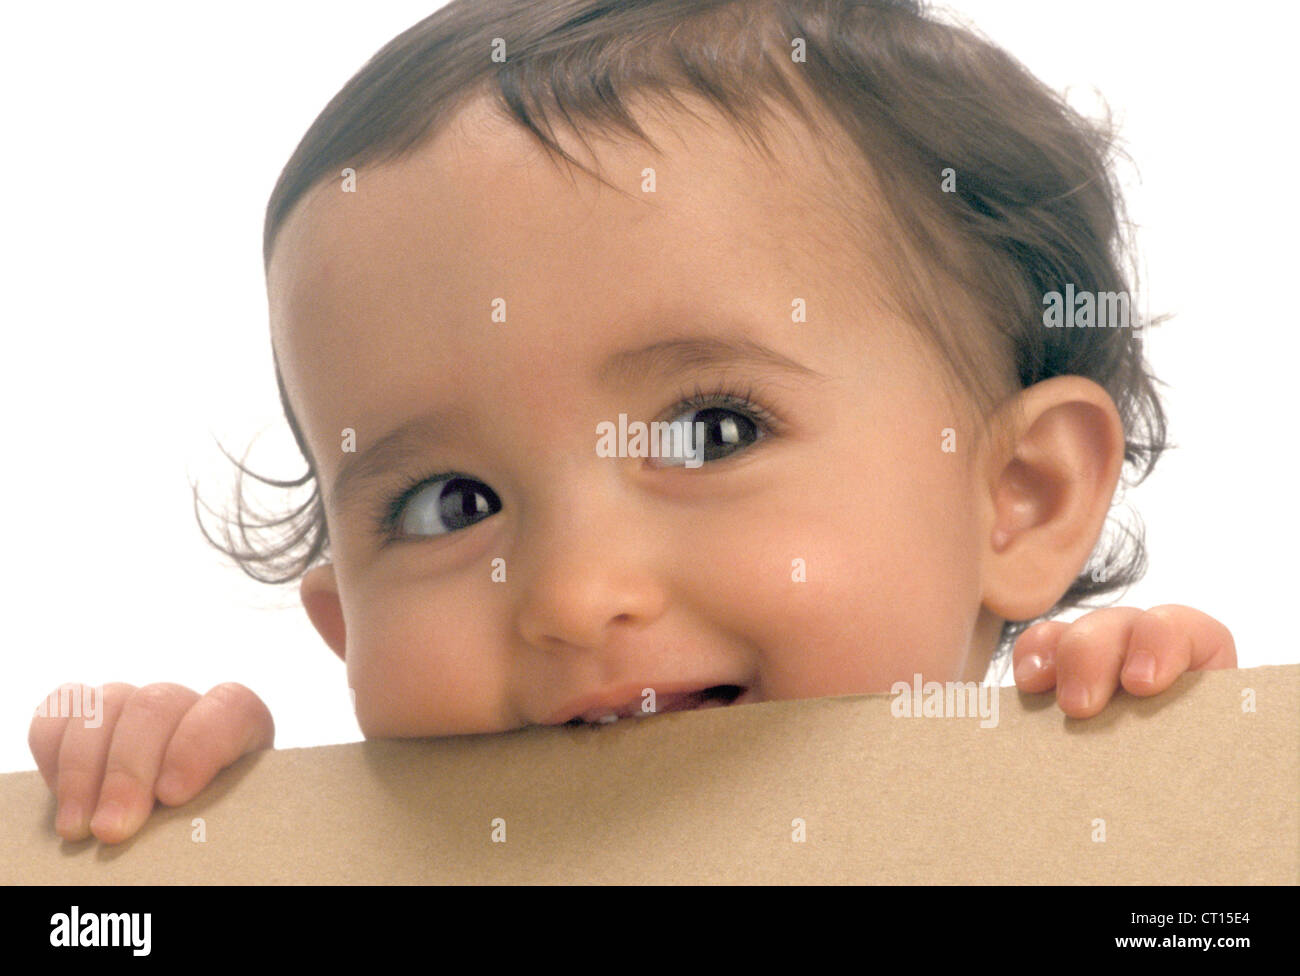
x: 445, y: 505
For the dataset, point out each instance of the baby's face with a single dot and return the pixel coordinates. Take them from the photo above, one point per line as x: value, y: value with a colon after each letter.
x: 827, y: 544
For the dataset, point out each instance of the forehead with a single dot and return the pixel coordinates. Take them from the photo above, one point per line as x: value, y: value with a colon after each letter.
x: 375, y: 292
x: 485, y: 178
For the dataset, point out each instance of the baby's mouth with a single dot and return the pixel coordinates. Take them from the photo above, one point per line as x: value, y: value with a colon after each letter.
x: 716, y: 696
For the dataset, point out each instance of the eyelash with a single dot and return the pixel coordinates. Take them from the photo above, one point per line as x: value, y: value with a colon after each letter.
x: 728, y: 397
x: 732, y: 398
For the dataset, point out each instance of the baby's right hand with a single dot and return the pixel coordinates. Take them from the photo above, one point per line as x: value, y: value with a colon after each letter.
x: 160, y: 740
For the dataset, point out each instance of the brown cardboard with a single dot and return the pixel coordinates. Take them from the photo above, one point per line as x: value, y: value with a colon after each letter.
x: 1191, y: 789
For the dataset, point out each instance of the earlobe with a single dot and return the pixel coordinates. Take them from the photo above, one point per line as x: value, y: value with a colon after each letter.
x: 320, y: 597
x: 1049, y: 491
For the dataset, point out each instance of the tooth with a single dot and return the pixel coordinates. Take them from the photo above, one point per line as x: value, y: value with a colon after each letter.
x: 606, y: 719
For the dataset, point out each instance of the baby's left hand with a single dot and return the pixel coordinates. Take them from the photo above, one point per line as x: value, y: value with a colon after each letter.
x: 1144, y: 650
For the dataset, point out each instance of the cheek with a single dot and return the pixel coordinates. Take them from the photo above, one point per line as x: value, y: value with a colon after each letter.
x: 419, y: 664
x: 892, y: 581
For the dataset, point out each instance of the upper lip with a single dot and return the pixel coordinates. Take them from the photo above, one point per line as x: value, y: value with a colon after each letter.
x: 625, y: 700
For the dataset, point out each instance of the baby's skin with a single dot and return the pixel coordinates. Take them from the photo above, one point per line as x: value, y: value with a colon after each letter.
x: 547, y: 601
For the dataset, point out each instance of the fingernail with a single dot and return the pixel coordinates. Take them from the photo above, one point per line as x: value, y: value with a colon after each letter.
x: 1141, y: 667
x: 109, y: 819
x: 70, y: 819
x: 1029, y: 667
x: 1073, y: 694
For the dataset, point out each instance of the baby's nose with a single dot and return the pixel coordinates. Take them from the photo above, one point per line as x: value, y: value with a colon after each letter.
x: 581, y: 573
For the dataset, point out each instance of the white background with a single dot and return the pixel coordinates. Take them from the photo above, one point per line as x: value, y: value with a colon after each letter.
x: 141, y: 142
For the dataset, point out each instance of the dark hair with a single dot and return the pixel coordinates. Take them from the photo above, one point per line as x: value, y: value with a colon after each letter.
x: 1035, y: 207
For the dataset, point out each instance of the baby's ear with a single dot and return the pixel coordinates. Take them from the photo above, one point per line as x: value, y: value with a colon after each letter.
x: 320, y: 596
x: 1051, y: 478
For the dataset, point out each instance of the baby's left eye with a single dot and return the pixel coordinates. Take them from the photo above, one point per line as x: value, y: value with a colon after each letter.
x: 724, y: 431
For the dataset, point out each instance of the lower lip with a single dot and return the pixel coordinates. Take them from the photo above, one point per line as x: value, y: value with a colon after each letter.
x: 744, y: 697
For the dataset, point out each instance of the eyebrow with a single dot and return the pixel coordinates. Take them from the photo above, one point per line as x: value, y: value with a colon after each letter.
x: 671, y: 356
x: 398, y: 447
x: 668, y: 357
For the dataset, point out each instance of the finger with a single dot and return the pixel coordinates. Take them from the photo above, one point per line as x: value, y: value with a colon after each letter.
x: 228, y: 722
x: 148, y: 719
x: 1034, y: 656
x: 1168, y: 640
x: 1089, y: 656
x: 46, y: 734
x: 82, y: 754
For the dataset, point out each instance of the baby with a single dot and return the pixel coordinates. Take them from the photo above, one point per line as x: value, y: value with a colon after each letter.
x: 858, y: 256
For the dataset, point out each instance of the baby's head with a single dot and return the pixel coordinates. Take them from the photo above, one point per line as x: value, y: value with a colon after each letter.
x: 823, y: 230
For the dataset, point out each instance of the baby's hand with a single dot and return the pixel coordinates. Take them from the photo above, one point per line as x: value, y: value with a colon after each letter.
x: 1143, y: 650
x: 160, y: 740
